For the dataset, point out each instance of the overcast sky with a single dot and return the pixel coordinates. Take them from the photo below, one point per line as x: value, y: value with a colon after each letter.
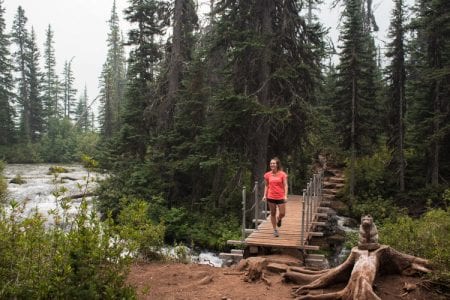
x: 81, y: 28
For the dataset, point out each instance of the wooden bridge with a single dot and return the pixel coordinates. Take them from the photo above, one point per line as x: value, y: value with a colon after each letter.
x: 298, y: 226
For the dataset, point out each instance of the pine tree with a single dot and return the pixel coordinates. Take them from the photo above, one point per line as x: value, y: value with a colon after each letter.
x: 150, y: 19
x: 355, y: 95
x: 34, y: 77
x: 69, y: 91
x: 6, y: 85
x: 430, y: 93
x: 82, y: 113
x: 113, y: 79
x: 397, y: 99
x: 261, y: 108
x: 20, y: 37
x: 51, y: 85
x: 180, y: 53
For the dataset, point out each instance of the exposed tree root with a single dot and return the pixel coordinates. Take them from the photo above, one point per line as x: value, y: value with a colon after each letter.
x: 359, y: 271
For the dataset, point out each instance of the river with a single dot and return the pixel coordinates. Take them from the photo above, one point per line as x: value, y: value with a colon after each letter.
x: 39, y: 186
x: 38, y: 192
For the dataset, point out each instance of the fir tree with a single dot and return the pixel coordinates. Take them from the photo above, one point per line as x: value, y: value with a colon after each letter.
x: 355, y: 95
x: 6, y: 85
x: 430, y: 93
x: 20, y: 38
x: 397, y: 98
x: 180, y: 53
x: 34, y: 77
x: 82, y: 113
x: 113, y: 80
x: 69, y: 91
x: 51, y: 85
x: 150, y: 19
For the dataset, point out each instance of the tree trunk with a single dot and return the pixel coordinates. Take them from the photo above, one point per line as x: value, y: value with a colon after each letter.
x: 353, y: 142
x: 436, y: 144
x: 262, y: 128
x: 359, y: 270
x: 167, y: 107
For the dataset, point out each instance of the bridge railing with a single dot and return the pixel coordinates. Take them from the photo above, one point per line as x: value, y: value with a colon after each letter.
x: 312, y: 196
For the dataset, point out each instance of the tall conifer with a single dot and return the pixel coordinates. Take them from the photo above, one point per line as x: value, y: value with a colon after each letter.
x: 149, y: 19
x: 113, y: 79
x: 51, y: 85
x: 355, y: 95
x: 34, y: 77
x: 20, y: 37
x: 6, y: 85
x: 430, y: 93
x: 68, y: 90
x: 396, y: 96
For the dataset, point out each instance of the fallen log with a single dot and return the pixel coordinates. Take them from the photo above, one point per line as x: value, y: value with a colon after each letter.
x: 78, y: 196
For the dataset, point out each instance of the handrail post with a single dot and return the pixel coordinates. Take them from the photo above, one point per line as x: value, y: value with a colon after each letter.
x: 302, y: 236
x: 256, y: 205
x: 243, y: 211
x: 308, y: 204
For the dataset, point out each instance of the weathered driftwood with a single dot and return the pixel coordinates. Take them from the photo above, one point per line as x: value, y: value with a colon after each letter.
x: 359, y: 270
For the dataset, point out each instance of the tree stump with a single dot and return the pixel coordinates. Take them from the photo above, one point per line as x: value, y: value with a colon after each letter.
x: 359, y: 270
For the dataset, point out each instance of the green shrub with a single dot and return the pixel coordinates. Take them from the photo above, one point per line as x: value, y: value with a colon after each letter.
x: 380, y: 209
x: 424, y: 237
x: 82, y: 261
x: 65, y: 257
x: 3, y: 184
x: 371, y: 175
x: 143, y: 237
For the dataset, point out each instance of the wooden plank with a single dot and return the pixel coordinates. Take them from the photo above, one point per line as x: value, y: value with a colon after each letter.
x: 235, y: 242
x: 290, y: 235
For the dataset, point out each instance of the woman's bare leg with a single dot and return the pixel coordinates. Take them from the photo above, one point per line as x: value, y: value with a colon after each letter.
x: 273, y: 215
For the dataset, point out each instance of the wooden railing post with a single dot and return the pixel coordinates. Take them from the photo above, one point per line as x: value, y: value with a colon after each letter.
x: 243, y: 211
x: 302, y: 236
x: 256, y: 204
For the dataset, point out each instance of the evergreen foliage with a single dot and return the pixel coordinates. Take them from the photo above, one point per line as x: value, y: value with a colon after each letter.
x: 7, y: 132
x: 68, y: 90
x: 429, y: 92
x: 150, y: 19
x: 397, y: 100
x: 34, y: 77
x: 82, y: 113
x: 20, y: 37
x: 51, y: 85
x: 356, y: 105
x: 113, y: 80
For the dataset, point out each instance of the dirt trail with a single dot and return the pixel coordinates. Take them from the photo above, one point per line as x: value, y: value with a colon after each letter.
x: 164, y: 281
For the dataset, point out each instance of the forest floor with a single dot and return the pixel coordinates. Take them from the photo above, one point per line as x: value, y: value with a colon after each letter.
x: 164, y: 281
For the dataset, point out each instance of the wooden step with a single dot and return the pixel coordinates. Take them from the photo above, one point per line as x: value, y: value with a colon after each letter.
x: 317, y: 223
x: 330, y: 191
x: 315, y: 256
x: 315, y: 233
x: 235, y: 242
x: 225, y: 255
x: 336, y: 180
